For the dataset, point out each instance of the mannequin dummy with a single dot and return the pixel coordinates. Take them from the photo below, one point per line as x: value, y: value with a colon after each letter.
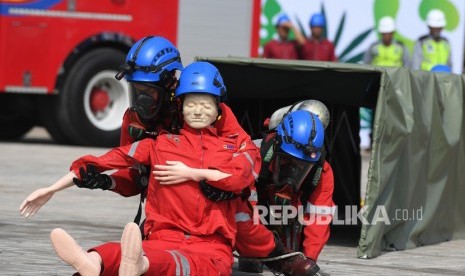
x: 200, y: 112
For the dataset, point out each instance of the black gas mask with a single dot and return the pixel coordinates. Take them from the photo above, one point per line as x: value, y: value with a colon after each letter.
x: 290, y: 171
x: 147, y: 100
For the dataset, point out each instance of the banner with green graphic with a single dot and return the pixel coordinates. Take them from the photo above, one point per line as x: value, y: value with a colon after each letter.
x: 351, y: 25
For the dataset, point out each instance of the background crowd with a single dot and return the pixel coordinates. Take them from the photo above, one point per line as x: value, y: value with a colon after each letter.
x: 432, y: 51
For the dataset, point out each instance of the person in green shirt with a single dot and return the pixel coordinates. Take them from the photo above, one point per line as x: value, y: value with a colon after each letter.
x: 432, y: 49
x: 387, y: 51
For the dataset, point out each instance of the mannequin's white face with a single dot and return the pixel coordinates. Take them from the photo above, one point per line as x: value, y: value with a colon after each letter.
x: 199, y: 110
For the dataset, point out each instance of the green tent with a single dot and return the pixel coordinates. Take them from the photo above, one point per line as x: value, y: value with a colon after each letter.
x: 416, y: 177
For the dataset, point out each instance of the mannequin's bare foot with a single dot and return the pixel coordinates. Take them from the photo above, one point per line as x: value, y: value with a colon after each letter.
x: 131, y: 251
x: 70, y: 252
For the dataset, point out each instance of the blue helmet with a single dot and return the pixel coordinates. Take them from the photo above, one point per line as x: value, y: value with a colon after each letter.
x: 317, y: 20
x: 301, y: 134
x: 150, y: 59
x: 201, y: 77
x: 282, y: 19
x: 441, y: 68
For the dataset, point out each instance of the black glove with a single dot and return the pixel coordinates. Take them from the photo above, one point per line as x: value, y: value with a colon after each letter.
x: 215, y: 194
x: 92, y: 179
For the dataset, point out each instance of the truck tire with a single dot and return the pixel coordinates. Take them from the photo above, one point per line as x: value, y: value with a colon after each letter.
x: 93, y: 102
x: 17, y: 116
x: 49, y: 118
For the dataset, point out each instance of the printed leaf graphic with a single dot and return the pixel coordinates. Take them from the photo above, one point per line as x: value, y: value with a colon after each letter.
x: 359, y: 39
x: 340, y: 28
x: 325, y: 29
x: 356, y: 58
x: 301, y: 27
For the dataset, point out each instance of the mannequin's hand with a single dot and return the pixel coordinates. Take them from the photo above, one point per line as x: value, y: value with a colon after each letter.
x: 34, y: 201
x: 173, y: 172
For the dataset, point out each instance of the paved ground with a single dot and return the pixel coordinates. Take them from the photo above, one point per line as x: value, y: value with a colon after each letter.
x: 93, y: 217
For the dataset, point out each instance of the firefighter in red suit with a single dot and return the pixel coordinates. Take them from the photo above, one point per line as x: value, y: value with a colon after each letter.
x: 317, y: 47
x: 171, y: 261
x: 153, y: 110
x: 294, y: 172
x: 283, y: 47
x: 186, y: 232
x: 147, y: 118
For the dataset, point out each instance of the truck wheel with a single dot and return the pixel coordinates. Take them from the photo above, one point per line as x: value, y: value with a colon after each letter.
x: 48, y: 113
x: 17, y: 116
x: 93, y: 102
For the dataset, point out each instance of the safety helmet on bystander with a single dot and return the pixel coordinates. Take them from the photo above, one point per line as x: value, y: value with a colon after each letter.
x: 317, y: 20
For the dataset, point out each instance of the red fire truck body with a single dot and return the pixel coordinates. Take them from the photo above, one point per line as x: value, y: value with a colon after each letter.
x: 58, y: 58
x: 51, y: 46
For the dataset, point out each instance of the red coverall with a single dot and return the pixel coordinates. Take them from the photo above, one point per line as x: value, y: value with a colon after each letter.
x: 319, y: 209
x: 319, y: 50
x: 252, y: 240
x: 281, y: 49
x: 186, y: 232
x: 227, y: 126
x: 320, y: 205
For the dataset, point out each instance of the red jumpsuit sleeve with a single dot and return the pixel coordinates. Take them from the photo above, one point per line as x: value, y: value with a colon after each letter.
x: 125, y: 184
x: 242, y: 169
x: 124, y: 179
x: 246, y: 162
x: 319, y: 212
x: 118, y: 158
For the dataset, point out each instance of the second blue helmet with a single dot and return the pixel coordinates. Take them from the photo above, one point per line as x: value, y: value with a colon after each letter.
x: 301, y: 134
x: 283, y: 18
x: 317, y: 20
x: 201, y: 77
x: 150, y: 58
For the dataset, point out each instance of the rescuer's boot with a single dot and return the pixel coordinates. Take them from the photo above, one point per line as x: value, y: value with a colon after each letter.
x: 251, y: 266
x: 297, y: 265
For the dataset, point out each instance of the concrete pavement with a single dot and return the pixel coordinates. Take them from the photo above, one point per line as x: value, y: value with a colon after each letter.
x: 94, y: 217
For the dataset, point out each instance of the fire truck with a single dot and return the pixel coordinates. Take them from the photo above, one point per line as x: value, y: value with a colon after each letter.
x: 58, y: 58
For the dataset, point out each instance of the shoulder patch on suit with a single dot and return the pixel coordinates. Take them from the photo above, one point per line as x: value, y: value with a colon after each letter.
x: 229, y: 147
